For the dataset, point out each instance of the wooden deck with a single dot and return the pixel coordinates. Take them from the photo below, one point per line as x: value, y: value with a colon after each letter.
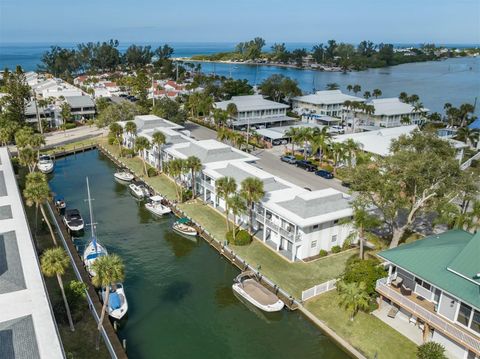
x: 116, y: 345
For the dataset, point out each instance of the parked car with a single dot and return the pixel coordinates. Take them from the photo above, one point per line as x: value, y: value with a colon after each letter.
x: 289, y: 159
x: 324, y: 174
x: 337, y: 129
x: 306, y: 165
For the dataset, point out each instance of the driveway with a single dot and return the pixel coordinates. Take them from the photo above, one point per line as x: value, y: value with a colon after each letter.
x: 269, y: 160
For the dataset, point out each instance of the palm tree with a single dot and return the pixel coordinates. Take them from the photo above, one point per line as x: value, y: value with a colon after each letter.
x: 220, y: 117
x: 36, y: 192
x: 367, y: 95
x: 405, y: 120
x: 194, y: 165
x: 109, y: 270
x: 251, y: 189
x: 303, y: 136
x: 239, y: 140
x: 159, y: 139
x: 224, y: 187
x: 377, y: 93
x: 232, y: 109
x: 338, y: 154
x: 356, y: 89
x: 27, y: 158
x: 54, y: 262
x: 292, y: 133
x: 351, y: 148
x: 175, y: 169
x: 467, y: 135
x: 320, y: 142
x: 142, y: 144
x: 36, y: 141
x: 116, y: 132
x: 362, y: 220
x: 353, y: 297
x: 412, y: 99
x: 236, y: 203
x: 403, y: 97
x: 349, y: 88
x: 131, y: 128
x: 332, y: 86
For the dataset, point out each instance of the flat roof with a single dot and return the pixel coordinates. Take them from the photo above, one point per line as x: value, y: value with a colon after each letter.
x: 80, y: 101
x: 327, y: 97
x: 262, y: 120
x: 278, y: 132
x: 449, y: 261
x: 27, y: 325
x: 251, y: 103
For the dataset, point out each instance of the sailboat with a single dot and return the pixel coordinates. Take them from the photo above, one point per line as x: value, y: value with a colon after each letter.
x: 117, y: 301
x: 94, y: 249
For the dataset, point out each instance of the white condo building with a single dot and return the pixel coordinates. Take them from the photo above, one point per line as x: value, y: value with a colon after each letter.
x: 291, y: 220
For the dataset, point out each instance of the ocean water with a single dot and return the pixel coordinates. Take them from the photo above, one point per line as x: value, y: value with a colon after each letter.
x: 454, y: 80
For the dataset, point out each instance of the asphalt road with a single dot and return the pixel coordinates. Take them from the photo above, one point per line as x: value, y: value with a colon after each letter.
x: 269, y: 160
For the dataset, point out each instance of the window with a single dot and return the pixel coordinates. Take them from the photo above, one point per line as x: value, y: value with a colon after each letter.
x: 475, y: 325
x: 423, y: 284
x: 315, y: 226
x: 334, y: 238
x: 464, y: 314
x: 314, y: 244
x: 335, y: 221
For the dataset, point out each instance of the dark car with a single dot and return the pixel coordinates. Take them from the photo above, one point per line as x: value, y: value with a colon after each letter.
x: 306, y: 165
x: 324, y: 174
x: 289, y: 159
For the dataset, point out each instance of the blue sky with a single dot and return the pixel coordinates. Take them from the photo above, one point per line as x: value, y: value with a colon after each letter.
x: 405, y: 21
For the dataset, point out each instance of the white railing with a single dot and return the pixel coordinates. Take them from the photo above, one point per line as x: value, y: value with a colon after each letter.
x: 319, y: 289
x: 468, y: 162
x: 461, y: 336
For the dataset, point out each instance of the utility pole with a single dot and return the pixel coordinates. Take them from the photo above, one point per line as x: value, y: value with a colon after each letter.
x: 40, y: 127
x: 153, y: 93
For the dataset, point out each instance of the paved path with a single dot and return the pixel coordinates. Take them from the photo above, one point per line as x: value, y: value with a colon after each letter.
x: 75, y: 134
x: 269, y: 160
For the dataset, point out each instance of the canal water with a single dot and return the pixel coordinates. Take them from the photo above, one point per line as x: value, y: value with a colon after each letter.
x: 455, y: 80
x: 179, y: 292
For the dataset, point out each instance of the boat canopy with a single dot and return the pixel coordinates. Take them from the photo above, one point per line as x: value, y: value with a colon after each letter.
x: 95, y: 255
x: 156, y: 198
x: 183, y: 220
x: 114, y: 300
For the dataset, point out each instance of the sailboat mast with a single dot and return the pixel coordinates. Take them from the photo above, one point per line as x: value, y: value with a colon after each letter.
x: 92, y: 224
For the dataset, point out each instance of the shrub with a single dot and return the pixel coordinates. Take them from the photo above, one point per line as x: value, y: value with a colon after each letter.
x: 336, y: 249
x: 367, y: 271
x: 327, y: 167
x: 127, y: 152
x: 186, y: 194
x: 151, y: 172
x: 111, y: 140
x: 69, y: 125
x: 431, y: 350
x: 242, y: 238
x: 323, y: 253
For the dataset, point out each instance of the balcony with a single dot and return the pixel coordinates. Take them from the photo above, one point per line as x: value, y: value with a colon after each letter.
x: 207, y: 185
x: 425, y: 311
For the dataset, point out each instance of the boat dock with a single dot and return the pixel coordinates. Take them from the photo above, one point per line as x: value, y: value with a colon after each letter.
x: 110, y: 337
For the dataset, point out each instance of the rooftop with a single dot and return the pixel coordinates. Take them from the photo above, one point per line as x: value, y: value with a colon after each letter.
x: 449, y: 261
x: 262, y: 120
x: 80, y: 101
x: 148, y: 122
x: 393, y: 106
x: 251, y: 103
x: 27, y: 326
x: 328, y: 97
x: 279, y: 132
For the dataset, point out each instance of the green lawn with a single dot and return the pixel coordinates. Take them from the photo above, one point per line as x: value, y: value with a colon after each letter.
x: 367, y: 333
x: 209, y: 218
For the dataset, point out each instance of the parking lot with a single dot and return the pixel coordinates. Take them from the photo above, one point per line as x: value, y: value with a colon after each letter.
x: 269, y: 160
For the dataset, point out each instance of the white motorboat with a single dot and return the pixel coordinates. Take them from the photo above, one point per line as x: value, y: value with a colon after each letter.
x: 251, y: 290
x: 60, y: 204
x: 182, y: 226
x: 73, y: 220
x: 117, y: 301
x: 156, y: 207
x: 124, y: 175
x: 94, y: 250
x: 139, y: 189
x: 45, y: 164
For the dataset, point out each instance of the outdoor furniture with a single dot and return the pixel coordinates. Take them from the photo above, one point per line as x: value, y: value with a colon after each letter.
x: 405, y: 290
x: 392, y: 313
x: 397, y: 282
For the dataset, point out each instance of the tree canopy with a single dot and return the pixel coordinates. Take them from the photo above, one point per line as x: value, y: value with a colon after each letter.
x: 280, y: 88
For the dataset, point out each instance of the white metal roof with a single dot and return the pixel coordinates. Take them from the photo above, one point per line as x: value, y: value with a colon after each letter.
x: 393, y: 106
x: 251, y: 103
x: 327, y: 97
x: 275, y: 133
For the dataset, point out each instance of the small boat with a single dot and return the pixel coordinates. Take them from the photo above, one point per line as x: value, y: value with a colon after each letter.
x: 45, y: 164
x: 60, y: 204
x: 94, y: 250
x: 139, y: 189
x: 123, y: 175
x: 117, y: 301
x: 182, y: 226
x: 155, y: 206
x: 250, y: 289
x: 73, y: 220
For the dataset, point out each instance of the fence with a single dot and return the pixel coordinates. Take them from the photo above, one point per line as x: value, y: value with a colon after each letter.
x: 319, y: 289
x: 468, y: 162
x: 91, y: 304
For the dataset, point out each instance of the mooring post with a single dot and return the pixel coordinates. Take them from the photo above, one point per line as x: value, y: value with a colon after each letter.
x: 115, y: 325
x: 124, y: 344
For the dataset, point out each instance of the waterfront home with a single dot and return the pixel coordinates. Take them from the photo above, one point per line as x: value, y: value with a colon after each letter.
x: 255, y: 111
x: 27, y: 324
x: 53, y: 87
x: 434, y: 284
x: 296, y: 223
x: 81, y: 107
x: 388, y: 112
x: 326, y: 103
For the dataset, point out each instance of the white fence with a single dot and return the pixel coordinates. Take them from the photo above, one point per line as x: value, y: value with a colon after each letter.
x: 468, y: 162
x: 319, y: 289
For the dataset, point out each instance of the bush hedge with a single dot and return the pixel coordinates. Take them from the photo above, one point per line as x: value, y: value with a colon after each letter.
x: 242, y: 238
x: 323, y: 253
x: 336, y: 249
x: 151, y: 172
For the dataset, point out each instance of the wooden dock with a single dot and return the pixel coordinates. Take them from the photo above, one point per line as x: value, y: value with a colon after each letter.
x: 73, y: 151
x: 111, y: 339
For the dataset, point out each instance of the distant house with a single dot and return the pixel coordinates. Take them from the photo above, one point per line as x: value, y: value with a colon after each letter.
x: 255, y: 111
x: 326, y: 103
x: 81, y: 106
x: 389, y: 112
x: 435, y: 284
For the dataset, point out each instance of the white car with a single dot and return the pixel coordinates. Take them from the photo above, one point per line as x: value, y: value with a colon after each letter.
x: 337, y: 129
